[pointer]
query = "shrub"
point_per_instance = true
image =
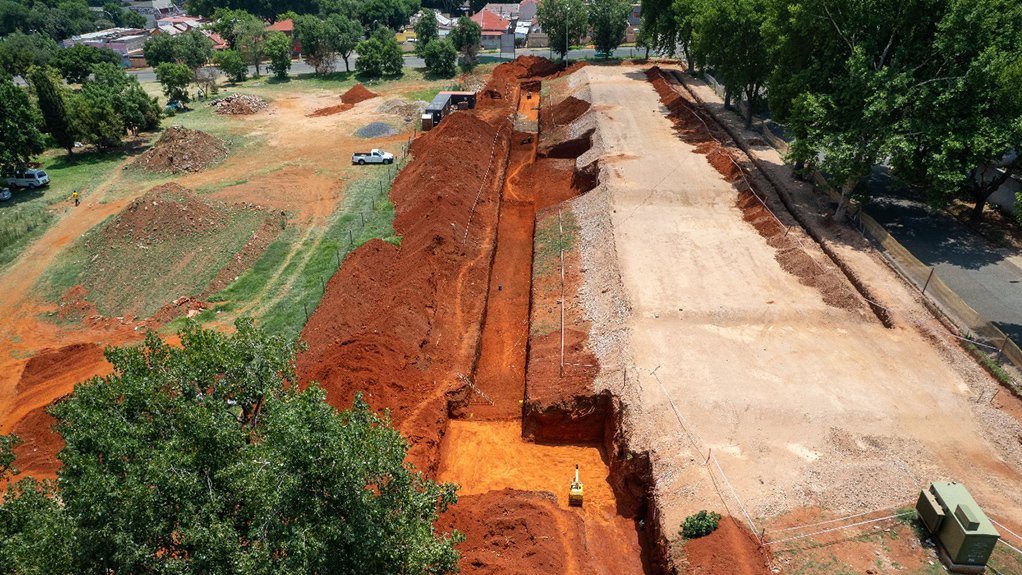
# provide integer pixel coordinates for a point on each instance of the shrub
(700, 524)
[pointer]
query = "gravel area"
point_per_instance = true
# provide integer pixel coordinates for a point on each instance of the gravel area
(376, 130)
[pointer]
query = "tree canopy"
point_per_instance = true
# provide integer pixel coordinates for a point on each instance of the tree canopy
(19, 141)
(209, 459)
(426, 30)
(609, 19)
(466, 37)
(440, 57)
(564, 21)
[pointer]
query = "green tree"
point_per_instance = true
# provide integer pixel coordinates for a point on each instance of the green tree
(278, 50)
(345, 34)
(440, 57)
(95, 116)
(138, 110)
(19, 52)
(193, 49)
(75, 63)
(175, 79)
(232, 64)
(316, 39)
(659, 25)
(963, 109)
(53, 96)
(837, 79)
(159, 49)
(370, 58)
(132, 19)
(729, 39)
(466, 37)
(209, 459)
(682, 30)
(19, 141)
(426, 30)
(564, 21)
(609, 19)
(243, 32)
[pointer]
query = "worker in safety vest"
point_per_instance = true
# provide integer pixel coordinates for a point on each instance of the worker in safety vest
(74, 196)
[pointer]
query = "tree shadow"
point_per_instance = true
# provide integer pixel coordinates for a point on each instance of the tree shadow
(932, 236)
(330, 77)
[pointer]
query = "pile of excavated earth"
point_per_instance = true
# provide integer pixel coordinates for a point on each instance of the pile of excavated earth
(182, 150)
(238, 105)
(358, 93)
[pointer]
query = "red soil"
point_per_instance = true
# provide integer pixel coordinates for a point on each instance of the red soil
(730, 550)
(44, 375)
(400, 324)
(527, 532)
(564, 112)
(357, 93)
(330, 110)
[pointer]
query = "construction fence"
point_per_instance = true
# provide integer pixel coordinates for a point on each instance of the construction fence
(978, 330)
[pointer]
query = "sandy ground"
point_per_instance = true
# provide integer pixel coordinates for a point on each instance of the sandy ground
(803, 404)
(301, 167)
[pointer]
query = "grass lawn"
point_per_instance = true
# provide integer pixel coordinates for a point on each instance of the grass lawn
(31, 212)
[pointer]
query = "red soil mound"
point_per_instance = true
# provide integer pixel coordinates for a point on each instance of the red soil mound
(730, 550)
(330, 110)
(37, 453)
(564, 112)
(512, 532)
(399, 324)
(356, 94)
(52, 363)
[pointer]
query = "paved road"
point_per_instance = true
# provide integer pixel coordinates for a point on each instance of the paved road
(299, 67)
(987, 277)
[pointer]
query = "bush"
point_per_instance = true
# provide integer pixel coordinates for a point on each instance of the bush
(700, 524)
(440, 57)
(232, 64)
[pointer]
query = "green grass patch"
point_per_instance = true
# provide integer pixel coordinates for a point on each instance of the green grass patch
(290, 276)
(31, 212)
(549, 241)
(134, 264)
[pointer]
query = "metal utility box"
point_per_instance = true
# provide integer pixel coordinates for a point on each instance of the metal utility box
(965, 534)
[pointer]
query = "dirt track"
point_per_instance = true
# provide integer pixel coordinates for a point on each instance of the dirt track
(803, 402)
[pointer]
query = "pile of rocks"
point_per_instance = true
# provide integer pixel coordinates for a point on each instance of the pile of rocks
(238, 105)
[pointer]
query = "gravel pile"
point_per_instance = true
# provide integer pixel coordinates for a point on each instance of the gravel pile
(402, 107)
(238, 105)
(376, 130)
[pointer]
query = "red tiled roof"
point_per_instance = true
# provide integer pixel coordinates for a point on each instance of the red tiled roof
(283, 26)
(490, 22)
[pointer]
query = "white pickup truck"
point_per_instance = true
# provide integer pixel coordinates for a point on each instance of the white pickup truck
(373, 157)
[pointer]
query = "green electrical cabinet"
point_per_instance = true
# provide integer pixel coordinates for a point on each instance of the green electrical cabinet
(965, 534)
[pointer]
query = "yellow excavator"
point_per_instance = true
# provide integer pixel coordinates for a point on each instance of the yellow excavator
(575, 491)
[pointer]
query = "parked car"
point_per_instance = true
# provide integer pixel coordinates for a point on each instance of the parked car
(173, 106)
(373, 157)
(30, 178)
(5, 194)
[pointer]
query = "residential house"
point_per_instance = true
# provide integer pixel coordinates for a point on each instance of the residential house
(493, 28)
(287, 27)
(121, 40)
(154, 10)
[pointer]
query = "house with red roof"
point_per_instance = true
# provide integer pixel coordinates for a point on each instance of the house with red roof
(494, 27)
(287, 27)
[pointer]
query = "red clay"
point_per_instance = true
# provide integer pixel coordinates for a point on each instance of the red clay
(357, 93)
(564, 112)
(330, 110)
(730, 550)
(401, 324)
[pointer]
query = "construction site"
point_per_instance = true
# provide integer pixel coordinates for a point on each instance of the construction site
(595, 268)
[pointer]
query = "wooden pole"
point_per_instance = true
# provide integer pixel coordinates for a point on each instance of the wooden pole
(925, 285)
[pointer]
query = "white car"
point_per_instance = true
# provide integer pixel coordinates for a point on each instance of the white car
(30, 178)
(374, 157)
(5, 194)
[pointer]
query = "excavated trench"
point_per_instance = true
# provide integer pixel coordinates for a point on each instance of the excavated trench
(513, 457)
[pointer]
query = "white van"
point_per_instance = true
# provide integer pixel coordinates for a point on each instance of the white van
(30, 178)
